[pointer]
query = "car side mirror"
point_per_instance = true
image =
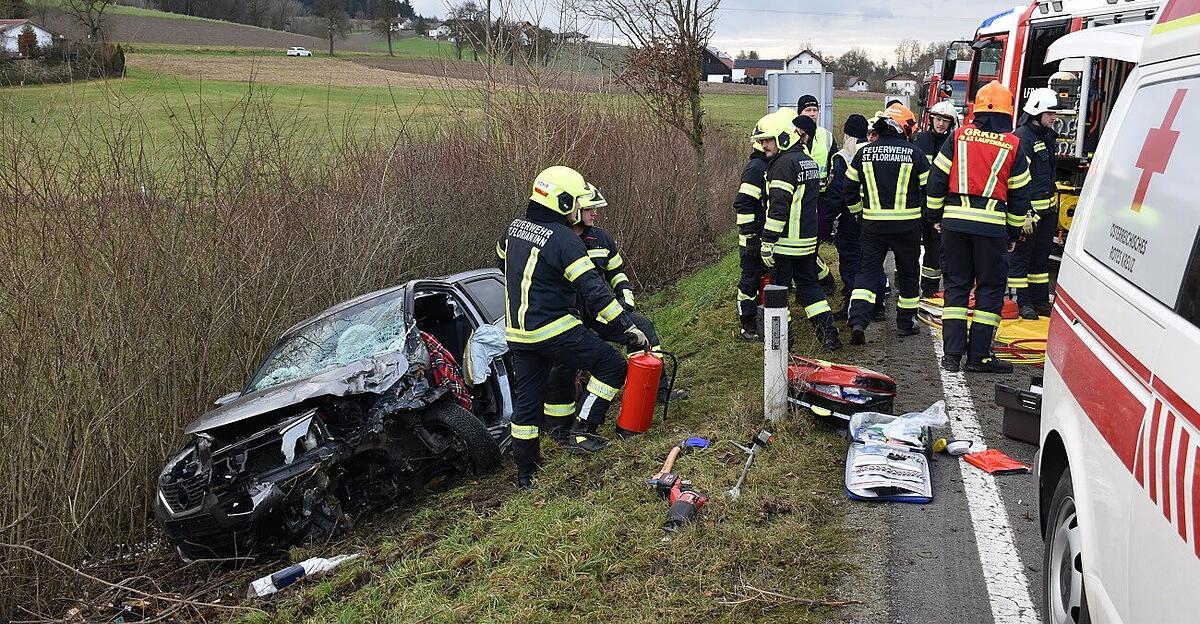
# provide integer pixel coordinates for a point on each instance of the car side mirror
(957, 51)
(947, 90)
(225, 400)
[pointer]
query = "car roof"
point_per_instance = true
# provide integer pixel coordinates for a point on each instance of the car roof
(473, 274)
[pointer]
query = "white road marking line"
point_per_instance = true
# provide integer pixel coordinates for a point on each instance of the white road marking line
(1007, 585)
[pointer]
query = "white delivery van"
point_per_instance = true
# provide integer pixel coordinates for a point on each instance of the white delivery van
(1117, 469)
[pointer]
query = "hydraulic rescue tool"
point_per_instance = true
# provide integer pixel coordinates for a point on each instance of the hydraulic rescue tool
(759, 442)
(685, 502)
(682, 447)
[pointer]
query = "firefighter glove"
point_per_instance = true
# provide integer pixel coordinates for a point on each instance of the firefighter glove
(636, 338)
(1030, 222)
(768, 254)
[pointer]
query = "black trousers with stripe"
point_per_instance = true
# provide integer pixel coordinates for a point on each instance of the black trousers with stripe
(931, 262)
(753, 270)
(1029, 263)
(906, 246)
(980, 262)
(577, 348)
(801, 271)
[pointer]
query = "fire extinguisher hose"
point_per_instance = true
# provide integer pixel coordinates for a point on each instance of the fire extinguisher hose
(670, 380)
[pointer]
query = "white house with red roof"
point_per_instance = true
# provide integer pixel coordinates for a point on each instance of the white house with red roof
(10, 29)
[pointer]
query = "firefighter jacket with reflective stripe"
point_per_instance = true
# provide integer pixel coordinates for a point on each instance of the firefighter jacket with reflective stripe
(979, 183)
(793, 183)
(602, 249)
(1039, 145)
(546, 267)
(840, 188)
(930, 143)
(751, 199)
(891, 173)
(821, 151)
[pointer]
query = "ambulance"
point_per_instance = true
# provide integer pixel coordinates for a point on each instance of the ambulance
(1119, 494)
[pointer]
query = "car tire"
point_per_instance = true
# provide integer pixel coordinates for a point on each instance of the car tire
(1064, 599)
(481, 449)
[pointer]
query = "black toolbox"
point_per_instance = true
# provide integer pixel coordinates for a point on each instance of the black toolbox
(1022, 411)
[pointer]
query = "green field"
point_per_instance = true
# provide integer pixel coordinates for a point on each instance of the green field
(740, 112)
(415, 47)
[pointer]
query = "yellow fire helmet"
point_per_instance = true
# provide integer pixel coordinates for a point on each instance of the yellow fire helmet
(560, 188)
(778, 126)
(753, 141)
(593, 200)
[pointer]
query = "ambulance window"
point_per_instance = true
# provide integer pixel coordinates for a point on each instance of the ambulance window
(1189, 294)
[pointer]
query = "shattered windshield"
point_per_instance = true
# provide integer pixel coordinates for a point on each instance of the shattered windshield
(352, 334)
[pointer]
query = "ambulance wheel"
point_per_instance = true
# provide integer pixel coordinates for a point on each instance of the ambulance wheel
(1063, 597)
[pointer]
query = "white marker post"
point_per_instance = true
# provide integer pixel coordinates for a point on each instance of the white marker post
(775, 352)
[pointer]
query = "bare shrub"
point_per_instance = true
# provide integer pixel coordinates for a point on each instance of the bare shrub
(132, 294)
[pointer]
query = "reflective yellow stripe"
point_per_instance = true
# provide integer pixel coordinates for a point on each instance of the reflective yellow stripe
(954, 314)
(923, 179)
(741, 296)
(743, 239)
(796, 246)
(935, 203)
(987, 318)
(774, 225)
(902, 182)
(931, 273)
(1018, 282)
(1042, 204)
(892, 215)
(906, 303)
(526, 280)
(822, 269)
(862, 294)
(962, 165)
(1014, 220)
(601, 389)
(1039, 278)
(558, 410)
(942, 162)
(524, 432)
(500, 252)
(743, 219)
(597, 253)
(780, 184)
(629, 298)
(545, 332)
(975, 214)
(817, 308)
(610, 312)
(617, 279)
(852, 174)
(856, 208)
(578, 268)
(994, 175)
(749, 189)
(1039, 146)
(872, 189)
(616, 262)
(1020, 181)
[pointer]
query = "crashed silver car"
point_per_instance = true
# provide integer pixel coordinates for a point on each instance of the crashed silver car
(344, 415)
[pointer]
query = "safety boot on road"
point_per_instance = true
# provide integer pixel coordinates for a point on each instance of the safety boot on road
(929, 287)
(880, 312)
(907, 327)
(1044, 309)
(1029, 313)
(951, 363)
(858, 335)
(989, 364)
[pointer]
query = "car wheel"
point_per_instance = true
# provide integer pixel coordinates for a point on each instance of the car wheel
(472, 442)
(1063, 595)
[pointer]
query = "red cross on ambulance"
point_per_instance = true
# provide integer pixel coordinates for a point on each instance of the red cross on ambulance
(1156, 151)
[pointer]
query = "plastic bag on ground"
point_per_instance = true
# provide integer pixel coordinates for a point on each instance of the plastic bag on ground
(906, 429)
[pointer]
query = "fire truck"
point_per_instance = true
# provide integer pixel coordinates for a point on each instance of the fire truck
(935, 90)
(1014, 47)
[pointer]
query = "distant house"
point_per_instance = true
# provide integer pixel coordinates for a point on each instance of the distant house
(441, 32)
(756, 70)
(716, 65)
(407, 24)
(854, 83)
(903, 83)
(806, 62)
(10, 29)
(573, 37)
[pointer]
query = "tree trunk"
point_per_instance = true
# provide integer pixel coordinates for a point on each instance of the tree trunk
(331, 39)
(697, 140)
(389, 35)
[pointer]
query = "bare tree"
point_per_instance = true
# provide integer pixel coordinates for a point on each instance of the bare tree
(664, 66)
(387, 15)
(89, 14)
(332, 14)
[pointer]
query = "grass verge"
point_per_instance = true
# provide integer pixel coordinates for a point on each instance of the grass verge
(586, 544)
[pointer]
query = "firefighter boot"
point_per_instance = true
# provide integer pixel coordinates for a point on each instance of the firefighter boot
(929, 287)
(880, 311)
(952, 362)
(826, 332)
(583, 439)
(527, 455)
(906, 325)
(1029, 313)
(1043, 309)
(858, 335)
(749, 329)
(990, 364)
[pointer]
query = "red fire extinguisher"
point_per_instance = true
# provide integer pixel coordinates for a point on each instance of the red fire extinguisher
(641, 392)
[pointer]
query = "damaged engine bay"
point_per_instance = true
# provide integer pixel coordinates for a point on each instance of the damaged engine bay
(340, 419)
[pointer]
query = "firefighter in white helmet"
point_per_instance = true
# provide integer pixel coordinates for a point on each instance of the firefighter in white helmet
(1028, 272)
(943, 119)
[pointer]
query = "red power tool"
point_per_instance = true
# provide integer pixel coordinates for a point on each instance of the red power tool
(685, 502)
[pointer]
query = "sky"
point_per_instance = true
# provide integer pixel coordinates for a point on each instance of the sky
(778, 29)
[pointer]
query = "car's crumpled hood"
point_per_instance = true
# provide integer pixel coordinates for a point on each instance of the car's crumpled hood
(371, 375)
